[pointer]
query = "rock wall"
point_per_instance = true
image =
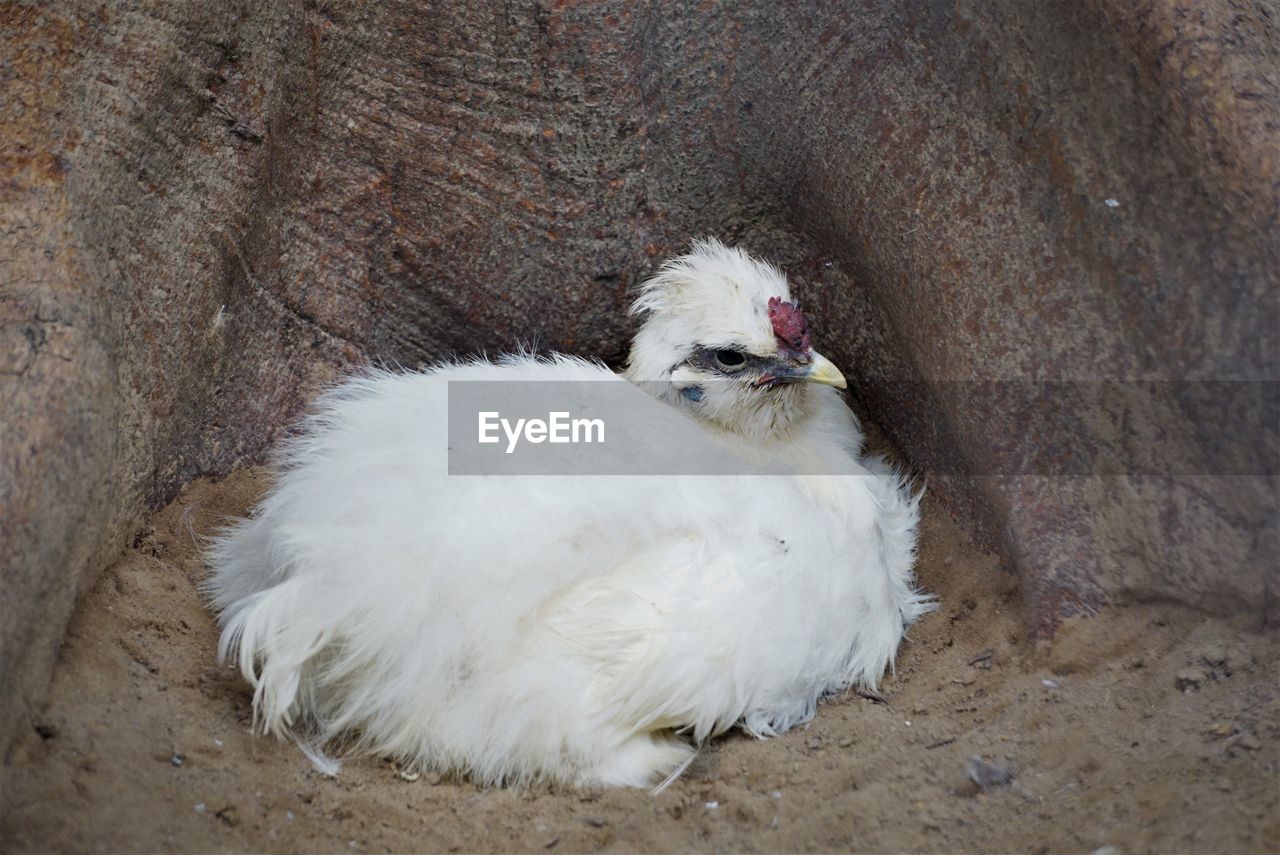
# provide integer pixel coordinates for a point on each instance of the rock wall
(209, 209)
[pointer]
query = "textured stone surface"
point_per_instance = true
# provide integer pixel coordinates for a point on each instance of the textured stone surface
(208, 209)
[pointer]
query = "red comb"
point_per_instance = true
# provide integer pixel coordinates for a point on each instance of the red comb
(789, 326)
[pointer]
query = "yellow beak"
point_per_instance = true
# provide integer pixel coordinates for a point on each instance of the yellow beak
(821, 370)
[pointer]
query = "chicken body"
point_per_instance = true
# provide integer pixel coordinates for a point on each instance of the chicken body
(587, 629)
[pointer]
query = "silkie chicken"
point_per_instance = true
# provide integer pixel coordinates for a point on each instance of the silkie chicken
(582, 629)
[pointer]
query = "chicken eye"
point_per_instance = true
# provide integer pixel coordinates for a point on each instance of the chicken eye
(729, 360)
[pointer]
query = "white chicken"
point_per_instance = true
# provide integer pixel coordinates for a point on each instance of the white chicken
(584, 629)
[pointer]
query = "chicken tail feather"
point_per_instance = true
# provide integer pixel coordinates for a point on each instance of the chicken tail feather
(265, 635)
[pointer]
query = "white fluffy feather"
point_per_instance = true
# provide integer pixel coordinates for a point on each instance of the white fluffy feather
(583, 629)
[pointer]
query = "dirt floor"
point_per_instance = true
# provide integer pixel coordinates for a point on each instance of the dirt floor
(1146, 729)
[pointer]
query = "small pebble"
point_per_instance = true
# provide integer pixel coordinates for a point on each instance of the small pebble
(1248, 740)
(200, 808)
(177, 759)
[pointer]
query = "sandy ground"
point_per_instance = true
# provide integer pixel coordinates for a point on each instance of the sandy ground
(1147, 729)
